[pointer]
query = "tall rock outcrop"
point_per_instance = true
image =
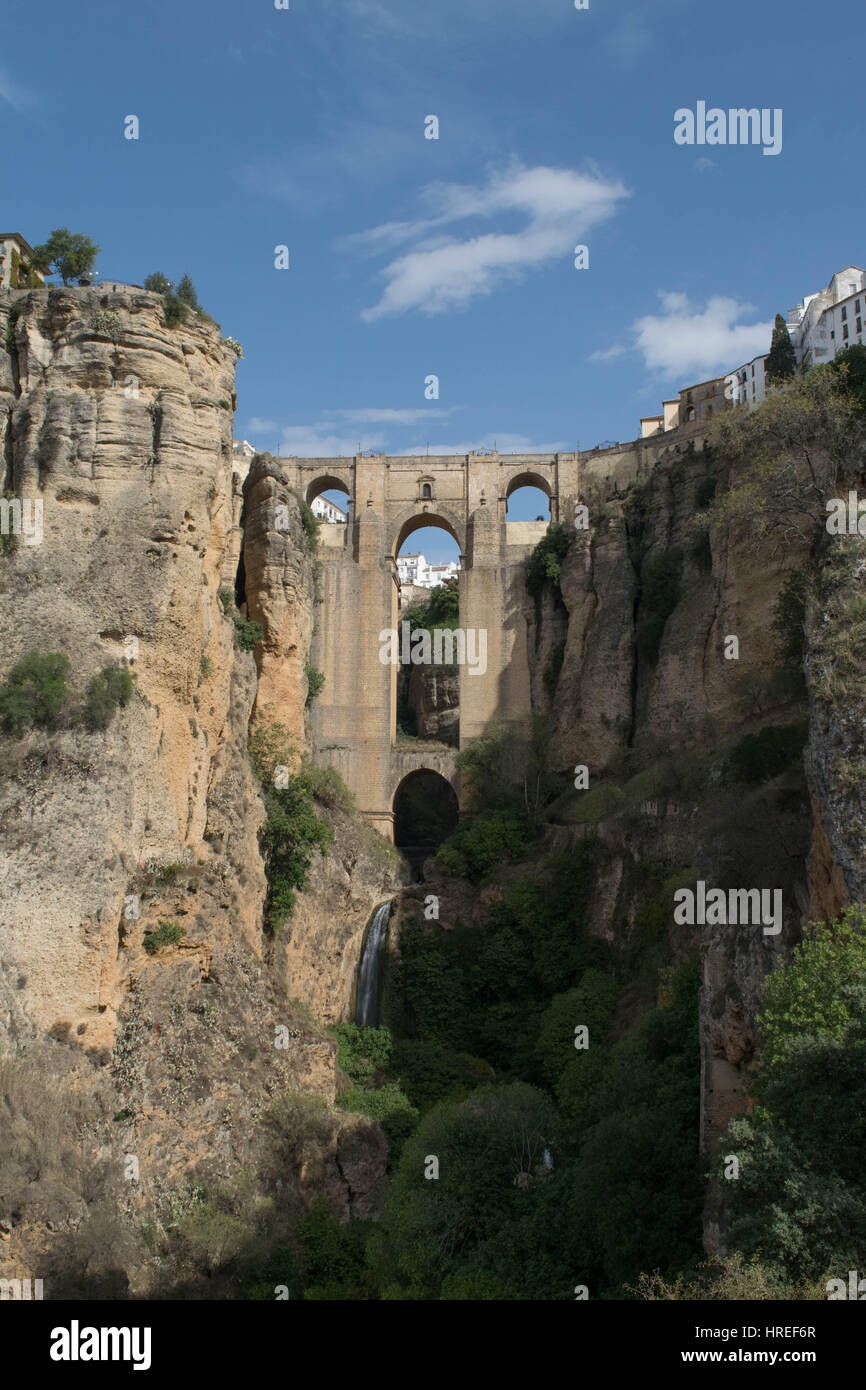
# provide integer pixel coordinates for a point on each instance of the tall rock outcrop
(120, 427)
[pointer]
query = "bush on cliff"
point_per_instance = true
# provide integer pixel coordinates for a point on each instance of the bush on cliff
(800, 1198)
(107, 692)
(293, 831)
(35, 692)
(481, 843)
(544, 565)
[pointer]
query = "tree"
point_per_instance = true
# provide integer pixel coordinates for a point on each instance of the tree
(490, 1147)
(781, 361)
(801, 1198)
(158, 283)
(70, 254)
(791, 454)
(850, 363)
(187, 292)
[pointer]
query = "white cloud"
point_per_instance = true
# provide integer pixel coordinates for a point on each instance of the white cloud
(321, 441)
(505, 443)
(441, 272)
(685, 340)
(14, 94)
(608, 354)
(629, 40)
(370, 415)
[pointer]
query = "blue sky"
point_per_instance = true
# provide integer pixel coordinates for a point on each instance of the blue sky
(410, 257)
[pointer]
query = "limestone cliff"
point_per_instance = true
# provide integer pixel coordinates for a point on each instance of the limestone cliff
(121, 428)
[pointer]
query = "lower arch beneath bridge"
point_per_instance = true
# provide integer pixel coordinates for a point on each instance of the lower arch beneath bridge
(426, 810)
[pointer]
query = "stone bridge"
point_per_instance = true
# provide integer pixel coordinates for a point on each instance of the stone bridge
(354, 718)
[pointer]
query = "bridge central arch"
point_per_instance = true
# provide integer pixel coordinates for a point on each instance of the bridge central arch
(418, 521)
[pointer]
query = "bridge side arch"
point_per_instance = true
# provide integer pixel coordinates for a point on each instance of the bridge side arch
(327, 482)
(522, 478)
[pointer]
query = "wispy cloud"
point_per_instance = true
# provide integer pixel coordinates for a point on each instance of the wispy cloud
(630, 39)
(442, 272)
(505, 443)
(323, 438)
(608, 354)
(370, 415)
(685, 339)
(320, 440)
(15, 94)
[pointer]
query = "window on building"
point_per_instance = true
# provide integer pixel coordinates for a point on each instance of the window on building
(859, 326)
(845, 330)
(844, 311)
(856, 306)
(426, 490)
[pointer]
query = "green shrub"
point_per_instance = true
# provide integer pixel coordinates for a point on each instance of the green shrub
(554, 666)
(248, 634)
(333, 1260)
(226, 596)
(660, 593)
(544, 566)
(186, 292)
(35, 692)
(290, 836)
(789, 619)
(166, 934)
(705, 492)
(327, 786)
(309, 520)
(758, 757)
(483, 841)
(361, 1052)
(315, 681)
(11, 320)
(158, 283)
(364, 1054)
(175, 310)
(388, 1105)
(105, 323)
(107, 692)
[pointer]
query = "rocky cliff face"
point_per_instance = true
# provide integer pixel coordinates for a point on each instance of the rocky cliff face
(650, 685)
(121, 428)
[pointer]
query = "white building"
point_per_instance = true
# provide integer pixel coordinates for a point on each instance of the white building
(822, 325)
(414, 569)
(327, 511)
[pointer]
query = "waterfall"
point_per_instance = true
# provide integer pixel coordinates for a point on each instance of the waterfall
(370, 969)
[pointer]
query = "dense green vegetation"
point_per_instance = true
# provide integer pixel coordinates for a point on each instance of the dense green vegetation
(659, 596)
(165, 933)
(178, 302)
(799, 1203)
(248, 634)
(68, 254)
(293, 831)
(441, 609)
(36, 695)
(544, 566)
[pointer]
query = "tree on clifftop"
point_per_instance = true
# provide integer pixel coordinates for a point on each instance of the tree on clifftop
(781, 362)
(68, 254)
